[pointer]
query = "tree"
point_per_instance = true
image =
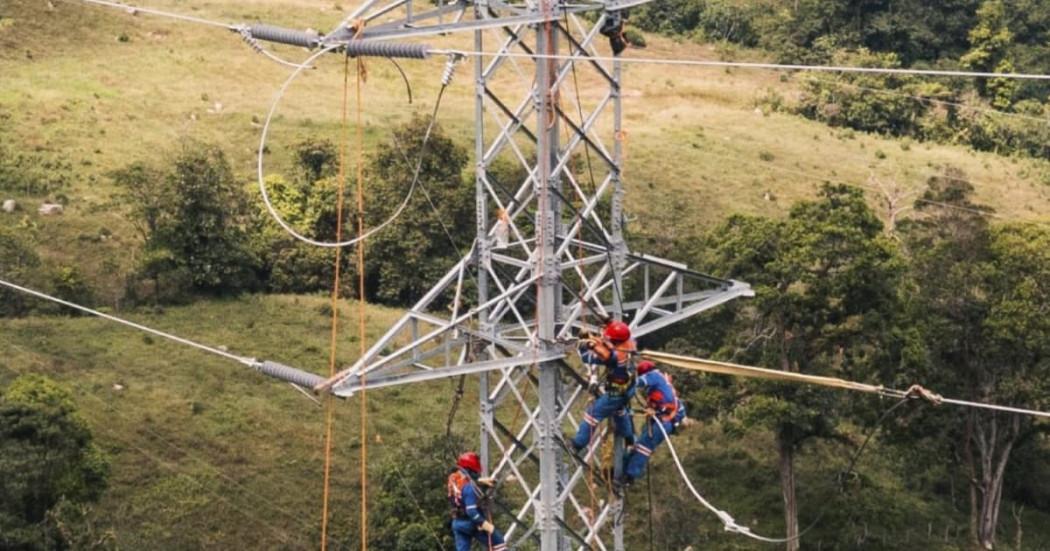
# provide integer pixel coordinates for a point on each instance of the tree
(823, 280)
(981, 297)
(19, 264)
(306, 199)
(192, 217)
(46, 458)
(406, 258)
(990, 41)
(412, 507)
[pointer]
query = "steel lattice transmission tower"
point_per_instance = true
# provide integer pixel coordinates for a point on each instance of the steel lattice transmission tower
(548, 260)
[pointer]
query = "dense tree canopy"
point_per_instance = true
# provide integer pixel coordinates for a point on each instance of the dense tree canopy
(46, 458)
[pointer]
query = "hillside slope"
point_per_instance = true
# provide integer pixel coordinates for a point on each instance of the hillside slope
(110, 89)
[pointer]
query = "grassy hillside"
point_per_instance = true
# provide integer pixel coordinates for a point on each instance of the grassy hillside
(110, 89)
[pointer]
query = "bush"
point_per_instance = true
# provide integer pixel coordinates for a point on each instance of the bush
(47, 457)
(405, 259)
(307, 201)
(68, 284)
(635, 38)
(194, 226)
(20, 265)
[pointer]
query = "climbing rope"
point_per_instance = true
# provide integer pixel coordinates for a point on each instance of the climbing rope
(727, 520)
(362, 336)
(333, 339)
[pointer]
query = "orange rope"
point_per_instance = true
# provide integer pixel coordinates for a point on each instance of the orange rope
(361, 305)
(329, 406)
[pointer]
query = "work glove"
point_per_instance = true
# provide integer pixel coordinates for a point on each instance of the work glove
(487, 527)
(593, 387)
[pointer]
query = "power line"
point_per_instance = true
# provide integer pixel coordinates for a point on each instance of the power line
(251, 362)
(935, 101)
(754, 65)
(637, 60)
(133, 10)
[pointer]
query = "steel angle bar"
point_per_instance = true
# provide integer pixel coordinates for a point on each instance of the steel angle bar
(352, 384)
(738, 290)
(335, 381)
(583, 53)
(648, 305)
(510, 261)
(591, 215)
(568, 530)
(596, 145)
(574, 262)
(499, 60)
(507, 460)
(479, 335)
(674, 299)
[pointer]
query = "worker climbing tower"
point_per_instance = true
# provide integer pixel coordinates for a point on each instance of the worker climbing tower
(549, 259)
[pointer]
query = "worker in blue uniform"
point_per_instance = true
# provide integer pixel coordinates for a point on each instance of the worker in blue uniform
(661, 406)
(613, 351)
(469, 519)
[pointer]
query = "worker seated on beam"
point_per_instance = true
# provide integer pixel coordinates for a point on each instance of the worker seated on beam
(470, 521)
(661, 406)
(614, 351)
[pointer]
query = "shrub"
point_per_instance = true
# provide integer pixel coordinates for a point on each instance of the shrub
(20, 265)
(635, 38)
(194, 226)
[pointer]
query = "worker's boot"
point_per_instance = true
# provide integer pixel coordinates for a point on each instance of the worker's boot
(620, 485)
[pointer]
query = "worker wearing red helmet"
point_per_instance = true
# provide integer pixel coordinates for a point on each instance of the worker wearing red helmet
(661, 406)
(469, 520)
(614, 351)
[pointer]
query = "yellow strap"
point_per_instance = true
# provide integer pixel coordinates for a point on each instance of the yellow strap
(724, 368)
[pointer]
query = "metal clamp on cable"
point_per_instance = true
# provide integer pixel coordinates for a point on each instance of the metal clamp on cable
(917, 391)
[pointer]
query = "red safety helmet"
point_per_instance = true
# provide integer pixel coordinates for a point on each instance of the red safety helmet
(469, 461)
(645, 366)
(617, 331)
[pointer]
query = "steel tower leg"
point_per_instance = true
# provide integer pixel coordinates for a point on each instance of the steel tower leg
(482, 247)
(548, 295)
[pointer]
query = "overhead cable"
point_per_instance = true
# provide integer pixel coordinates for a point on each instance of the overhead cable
(276, 370)
(737, 370)
(755, 65)
(133, 10)
(638, 60)
(251, 362)
(262, 148)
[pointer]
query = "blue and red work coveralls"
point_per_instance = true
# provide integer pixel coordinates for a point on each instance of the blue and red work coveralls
(660, 397)
(619, 387)
(465, 498)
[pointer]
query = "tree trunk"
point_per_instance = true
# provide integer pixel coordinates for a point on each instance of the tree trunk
(994, 445)
(786, 449)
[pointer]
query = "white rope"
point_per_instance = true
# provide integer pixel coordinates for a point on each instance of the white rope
(251, 362)
(727, 520)
(748, 65)
(135, 9)
(262, 181)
